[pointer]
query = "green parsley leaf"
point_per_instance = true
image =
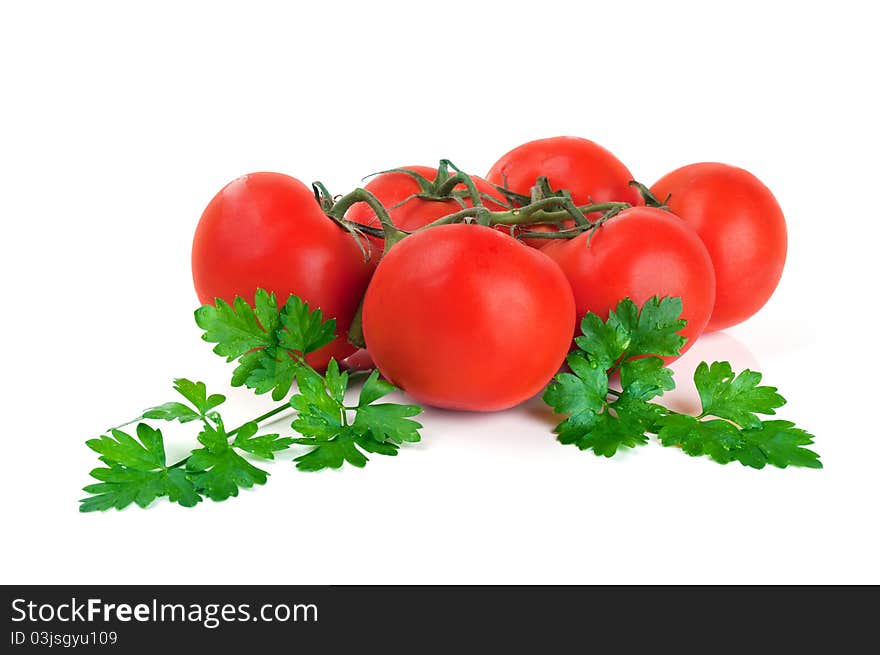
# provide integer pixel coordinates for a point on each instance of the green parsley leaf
(716, 438)
(335, 382)
(581, 393)
(330, 454)
(596, 424)
(145, 453)
(343, 448)
(652, 331)
(319, 414)
(637, 414)
(120, 487)
(235, 328)
(603, 342)
(645, 378)
(735, 398)
(267, 342)
(304, 329)
(655, 329)
(217, 470)
(172, 411)
(778, 443)
(374, 388)
(604, 420)
(270, 369)
(195, 393)
(323, 420)
(605, 434)
(263, 446)
(737, 434)
(135, 472)
(386, 421)
(629, 332)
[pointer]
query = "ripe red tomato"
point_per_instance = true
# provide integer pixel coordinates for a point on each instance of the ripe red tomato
(463, 317)
(743, 228)
(267, 230)
(641, 252)
(393, 188)
(586, 169)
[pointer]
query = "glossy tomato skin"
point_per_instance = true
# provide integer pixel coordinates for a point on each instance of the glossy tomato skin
(641, 252)
(585, 168)
(463, 317)
(393, 188)
(743, 228)
(266, 230)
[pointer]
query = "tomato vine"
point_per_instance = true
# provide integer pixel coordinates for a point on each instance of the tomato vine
(545, 206)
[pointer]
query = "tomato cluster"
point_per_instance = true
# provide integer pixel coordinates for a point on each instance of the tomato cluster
(467, 291)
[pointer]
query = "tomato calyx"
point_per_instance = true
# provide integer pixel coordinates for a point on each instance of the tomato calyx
(443, 187)
(650, 199)
(515, 199)
(336, 206)
(540, 190)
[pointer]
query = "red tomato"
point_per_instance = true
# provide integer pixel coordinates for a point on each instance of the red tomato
(267, 230)
(586, 169)
(743, 228)
(463, 317)
(641, 252)
(393, 188)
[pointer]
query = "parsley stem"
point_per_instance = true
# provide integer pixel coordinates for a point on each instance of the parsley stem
(262, 417)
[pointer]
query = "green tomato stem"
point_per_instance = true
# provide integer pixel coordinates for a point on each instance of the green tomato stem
(650, 199)
(389, 231)
(562, 234)
(542, 211)
(446, 188)
(552, 209)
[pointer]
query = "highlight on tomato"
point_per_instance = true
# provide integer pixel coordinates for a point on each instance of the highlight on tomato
(267, 230)
(743, 228)
(463, 317)
(639, 253)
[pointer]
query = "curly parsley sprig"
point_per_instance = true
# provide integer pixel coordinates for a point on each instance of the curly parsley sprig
(269, 344)
(632, 341)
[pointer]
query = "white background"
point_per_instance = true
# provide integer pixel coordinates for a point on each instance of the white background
(119, 124)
